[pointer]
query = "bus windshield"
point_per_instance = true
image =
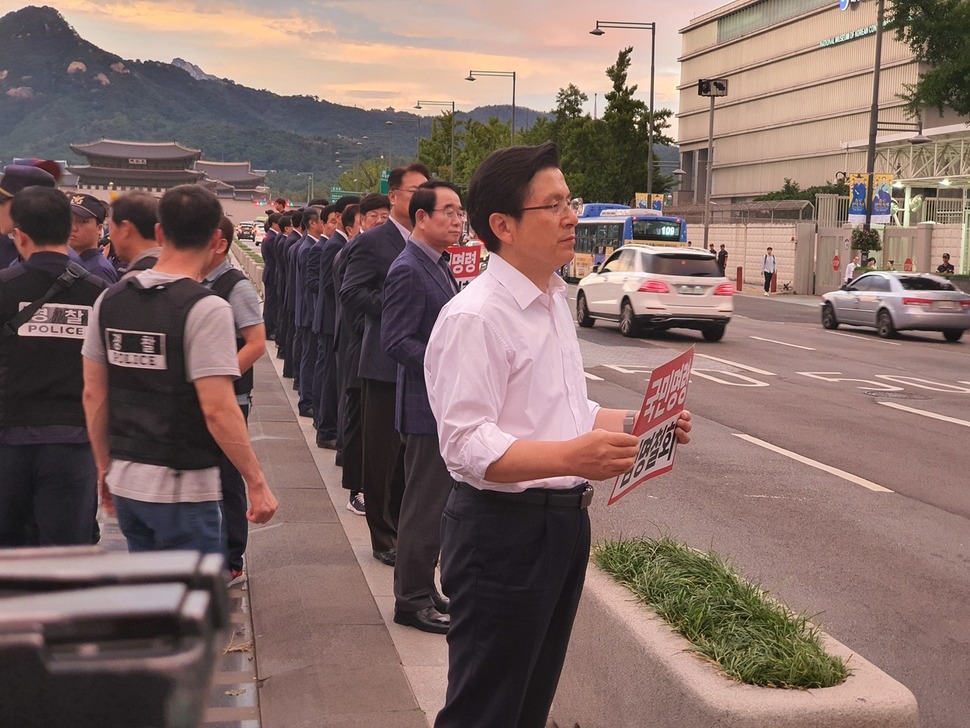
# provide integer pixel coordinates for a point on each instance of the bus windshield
(657, 229)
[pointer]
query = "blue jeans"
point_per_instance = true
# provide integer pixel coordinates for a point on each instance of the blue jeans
(170, 526)
(48, 495)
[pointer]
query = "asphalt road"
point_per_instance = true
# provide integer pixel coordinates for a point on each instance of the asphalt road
(821, 468)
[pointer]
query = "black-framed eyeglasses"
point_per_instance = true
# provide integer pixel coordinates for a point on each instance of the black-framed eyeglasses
(558, 208)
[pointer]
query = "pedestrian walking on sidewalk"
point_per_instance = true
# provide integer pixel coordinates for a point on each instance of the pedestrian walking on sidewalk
(769, 267)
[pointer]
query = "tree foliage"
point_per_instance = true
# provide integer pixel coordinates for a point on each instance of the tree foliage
(791, 190)
(938, 33)
(603, 159)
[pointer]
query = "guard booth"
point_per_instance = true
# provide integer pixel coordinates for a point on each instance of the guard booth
(112, 640)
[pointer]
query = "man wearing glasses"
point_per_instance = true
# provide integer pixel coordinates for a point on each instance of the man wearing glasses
(419, 283)
(506, 385)
(363, 290)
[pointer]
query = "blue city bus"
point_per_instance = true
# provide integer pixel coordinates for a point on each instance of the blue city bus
(598, 236)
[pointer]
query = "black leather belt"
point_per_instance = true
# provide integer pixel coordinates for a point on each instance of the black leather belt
(579, 496)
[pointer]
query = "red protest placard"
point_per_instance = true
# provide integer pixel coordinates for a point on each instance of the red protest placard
(466, 262)
(662, 404)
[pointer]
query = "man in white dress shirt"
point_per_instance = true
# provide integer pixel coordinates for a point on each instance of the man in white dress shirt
(519, 435)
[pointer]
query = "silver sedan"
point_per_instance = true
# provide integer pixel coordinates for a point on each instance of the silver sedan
(892, 301)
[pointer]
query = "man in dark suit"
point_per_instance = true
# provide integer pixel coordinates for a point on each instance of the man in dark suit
(324, 317)
(303, 343)
(363, 288)
(419, 283)
(288, 259)
(282, 330)
(268, 250)
(348, 331)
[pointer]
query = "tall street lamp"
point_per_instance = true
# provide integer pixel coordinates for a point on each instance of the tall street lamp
(875, 125)
(452, 105)
(417, 136)
(472, 76)
(652, 27)
(309, 185)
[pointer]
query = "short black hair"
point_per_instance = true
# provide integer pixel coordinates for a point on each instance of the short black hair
(189, 216)
(501, 183)
(138, 208)
(280, 201)
(374, 201)
(274, 217)
(43, 214)
(395, 178)
(327, 211)
(426, 196)
(228, 231)
(341, 204)
(297, 217)
(348, 216)
(284, 222)
(319, 202)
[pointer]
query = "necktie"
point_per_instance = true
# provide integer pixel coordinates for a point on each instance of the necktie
(446, 269)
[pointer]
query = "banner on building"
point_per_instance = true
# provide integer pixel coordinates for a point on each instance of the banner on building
(644, 201)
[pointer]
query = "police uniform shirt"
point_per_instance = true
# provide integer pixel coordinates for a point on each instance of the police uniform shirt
(210, 350)
(244, 302)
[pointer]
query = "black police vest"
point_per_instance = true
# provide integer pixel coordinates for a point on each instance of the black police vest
(222, 287)
(40, 367)
(154, 414)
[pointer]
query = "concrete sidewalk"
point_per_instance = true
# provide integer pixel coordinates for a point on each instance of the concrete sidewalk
(327, 651)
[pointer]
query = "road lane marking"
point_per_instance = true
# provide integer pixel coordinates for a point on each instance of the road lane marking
(783, 343)
(864, 338)
(924, 413)
(707, 374)
(593, 377)
(735, 364)
(815, 463)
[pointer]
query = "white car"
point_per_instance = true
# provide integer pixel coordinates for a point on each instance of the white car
(655, 287)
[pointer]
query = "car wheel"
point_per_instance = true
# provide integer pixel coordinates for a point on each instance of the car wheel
(952, 335)
(828, 317)
(884, 325)
(714, 332)
(582, 312)
(628, 322)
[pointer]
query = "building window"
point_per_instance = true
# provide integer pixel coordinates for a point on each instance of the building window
(763, 15)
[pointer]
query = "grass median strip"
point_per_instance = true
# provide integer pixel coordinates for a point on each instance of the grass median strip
(738, 626)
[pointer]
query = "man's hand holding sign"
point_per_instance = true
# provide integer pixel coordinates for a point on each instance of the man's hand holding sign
(661, 423)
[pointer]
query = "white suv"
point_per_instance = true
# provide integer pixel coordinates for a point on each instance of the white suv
(653, 287)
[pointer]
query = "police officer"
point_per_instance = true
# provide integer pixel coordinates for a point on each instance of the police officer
(159, 362)
(88, 214)
(49, 493)
(233, 286)
(15, 177)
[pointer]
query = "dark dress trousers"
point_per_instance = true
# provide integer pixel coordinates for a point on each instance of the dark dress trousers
(363, 288)
(326, 394)
(415, 291)
(270, 293)
(348, 331)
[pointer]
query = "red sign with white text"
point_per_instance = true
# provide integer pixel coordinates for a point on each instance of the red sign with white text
(466, 262)
(654, 427)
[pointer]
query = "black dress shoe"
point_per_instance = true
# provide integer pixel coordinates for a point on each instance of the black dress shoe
(428, 619)
(388, 557)
(441, 603)
(338, 459)
(306, 413)
(326, 444)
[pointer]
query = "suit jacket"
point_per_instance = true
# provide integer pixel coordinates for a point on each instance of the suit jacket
(303, 310)
(268, 250)
(283, 245)
(415, 291)
(325, 314)
(349, 326)
(292, 267)
(363, 288)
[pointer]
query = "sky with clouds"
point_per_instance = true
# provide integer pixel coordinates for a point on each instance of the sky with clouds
(380, 53)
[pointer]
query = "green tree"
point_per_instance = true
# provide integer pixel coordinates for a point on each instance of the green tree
(364, 177)
(791, 190)
(938, 33)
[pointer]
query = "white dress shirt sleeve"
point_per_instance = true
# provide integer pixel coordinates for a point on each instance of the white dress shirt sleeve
(467, 368)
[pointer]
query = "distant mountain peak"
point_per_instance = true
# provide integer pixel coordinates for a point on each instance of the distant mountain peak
(193, 70)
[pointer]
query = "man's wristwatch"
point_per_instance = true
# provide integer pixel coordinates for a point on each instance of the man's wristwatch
(629, 421)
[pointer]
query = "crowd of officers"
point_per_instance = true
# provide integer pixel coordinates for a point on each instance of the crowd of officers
(120, 371)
